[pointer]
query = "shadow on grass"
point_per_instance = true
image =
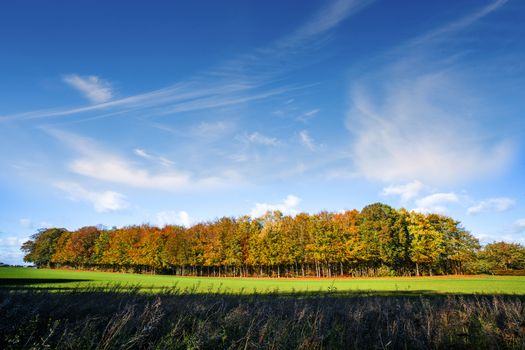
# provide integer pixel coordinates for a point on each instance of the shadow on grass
(114, 317)
(21, 282)
(69, 286)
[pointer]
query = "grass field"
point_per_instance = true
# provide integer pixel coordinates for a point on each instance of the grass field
(22, 278)
(368, 313)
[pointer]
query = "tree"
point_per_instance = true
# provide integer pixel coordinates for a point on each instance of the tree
(379, 240)
(380, 237)
(503, 256)
(148, 250)
(459, 246)
(426, 242)
(77, 248)
(42, 246)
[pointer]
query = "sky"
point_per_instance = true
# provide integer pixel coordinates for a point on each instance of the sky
(130, 112)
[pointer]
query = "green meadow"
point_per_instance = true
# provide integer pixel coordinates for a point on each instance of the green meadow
(23, 278)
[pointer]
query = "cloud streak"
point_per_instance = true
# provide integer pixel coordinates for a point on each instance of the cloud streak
(241, 80)
(459, 24)
(92, 87)
(159, 159)
(306, 140)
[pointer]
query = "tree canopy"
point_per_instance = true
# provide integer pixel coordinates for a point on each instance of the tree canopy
(377, 241)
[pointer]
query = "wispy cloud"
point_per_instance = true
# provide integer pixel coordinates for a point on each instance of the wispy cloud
(306, 140)
(406, 192)
(103, 165)
(417, 130)
(288, 207)
(106, 201)
(260, 139)
(306, 116)
(414, 119)
(212, 130)
(244, 79)
(142, 153)
(94, 89)
(159, 159)
(281, 55)
(326, 19)
(492, 205)
(436, 203)
(459, 24)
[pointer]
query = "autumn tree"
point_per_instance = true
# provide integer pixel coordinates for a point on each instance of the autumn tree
(503, 256)
(378, 240)
(427, 242)
(42, 246)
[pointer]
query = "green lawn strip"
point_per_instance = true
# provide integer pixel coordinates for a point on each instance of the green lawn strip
(68, 279)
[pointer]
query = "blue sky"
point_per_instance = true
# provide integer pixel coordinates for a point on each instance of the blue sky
(126, 113)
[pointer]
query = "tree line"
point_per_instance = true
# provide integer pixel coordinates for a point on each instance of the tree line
(376, 241)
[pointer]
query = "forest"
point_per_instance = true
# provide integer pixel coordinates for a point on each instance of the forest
(377, 241)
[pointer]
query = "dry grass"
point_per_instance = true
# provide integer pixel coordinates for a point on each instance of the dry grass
(116, 319)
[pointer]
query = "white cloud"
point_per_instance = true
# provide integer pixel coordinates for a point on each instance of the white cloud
(104, 166)
(102, 202)
(288, 207)
(142, 153)
(94, 89)
(436, 203)
(406, 192)
(491, 205)
(419, 119)
(306, 140)
(181, 218)
(257, 138)
(419, 129)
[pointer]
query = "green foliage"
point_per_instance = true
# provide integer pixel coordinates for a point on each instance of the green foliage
(499, 256)
(42, 246)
